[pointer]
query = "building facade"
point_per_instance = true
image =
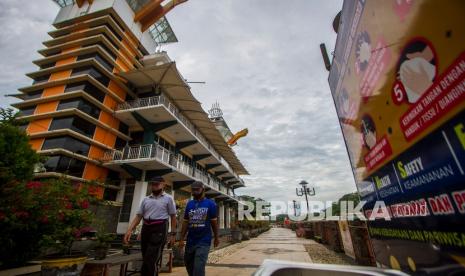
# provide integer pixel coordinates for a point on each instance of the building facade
(108, 109)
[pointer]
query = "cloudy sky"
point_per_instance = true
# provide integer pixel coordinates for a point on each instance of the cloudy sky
(260, 60)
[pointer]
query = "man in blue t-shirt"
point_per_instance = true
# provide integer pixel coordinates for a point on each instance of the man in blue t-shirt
(200, 219)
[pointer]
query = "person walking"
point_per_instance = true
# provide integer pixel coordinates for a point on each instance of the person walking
(200, 220)
(155, 210)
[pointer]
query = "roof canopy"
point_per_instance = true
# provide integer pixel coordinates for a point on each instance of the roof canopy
(160, 70)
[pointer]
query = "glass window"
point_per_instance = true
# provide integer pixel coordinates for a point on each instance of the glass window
(33, 95)
(76, 86)
(70, 103)
(75, 123)
(127, 202)
(111, 40)
(41, 79)
(88, 88)
(113, 31)
(110, 194)
(120, 143)
(95, 73)
(27, 111)
(123, 128)
(53, 52)
(23, 125)
(110, 52)
(81, 104)
(87, 107)
(65, 164)
(137, 138)
(99, 59)
(67, 143)
(47, 65)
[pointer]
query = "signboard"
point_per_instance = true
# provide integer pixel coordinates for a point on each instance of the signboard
(398, 81)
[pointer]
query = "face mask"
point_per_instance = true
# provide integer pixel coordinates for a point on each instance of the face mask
(156, 192)
(197, 194)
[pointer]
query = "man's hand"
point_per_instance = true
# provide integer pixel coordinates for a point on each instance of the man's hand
(172, 241)
(216, 242)
(127, 237)
(181, 243)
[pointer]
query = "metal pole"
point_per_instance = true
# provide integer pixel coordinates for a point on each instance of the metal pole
(295, 208)
(306, 198)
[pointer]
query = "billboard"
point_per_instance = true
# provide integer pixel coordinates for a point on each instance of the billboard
(398, 82)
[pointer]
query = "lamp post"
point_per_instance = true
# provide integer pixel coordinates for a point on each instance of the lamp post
(305, 191)
(295, 208)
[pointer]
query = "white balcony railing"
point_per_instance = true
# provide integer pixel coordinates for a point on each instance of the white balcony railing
(161, 154)
(162, 100)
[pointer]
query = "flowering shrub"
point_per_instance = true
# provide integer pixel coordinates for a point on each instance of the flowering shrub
(38, 215)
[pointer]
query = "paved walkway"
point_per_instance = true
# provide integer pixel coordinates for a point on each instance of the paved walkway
(278, 243)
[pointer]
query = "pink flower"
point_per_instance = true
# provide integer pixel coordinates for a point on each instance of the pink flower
(61, 216)
(33, 184)
(22, 214)
(85, 204)
(44, 219)
(76, 233)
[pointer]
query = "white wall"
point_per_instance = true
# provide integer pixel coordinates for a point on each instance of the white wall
(121, 7)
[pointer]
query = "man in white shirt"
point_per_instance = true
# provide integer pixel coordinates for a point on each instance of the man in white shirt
(155, 210)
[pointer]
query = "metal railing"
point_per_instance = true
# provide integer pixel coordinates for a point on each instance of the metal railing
(162, 100)
(163, 155)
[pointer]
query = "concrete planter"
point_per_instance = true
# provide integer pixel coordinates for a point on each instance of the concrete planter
(245, 234)
(63, 265)
(236, 235)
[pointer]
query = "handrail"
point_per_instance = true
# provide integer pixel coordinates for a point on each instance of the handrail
(156, 151)
(162, 100)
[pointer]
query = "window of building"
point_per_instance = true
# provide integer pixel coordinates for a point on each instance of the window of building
(110, 194)
(33, 95)
(27, 111)
(81, 104)
(127, 202)
(111, 40)
(115, 32)
(53, 52)
(120, 143)
(92, 71)
(123, 128)
(75, 123)
(41, 79)
(87, 87)
(137, 138)
(110, 52)
(47, 65)
(98, 58)
(64, 164)
(113, 178)
(67, 143)
(23, 125)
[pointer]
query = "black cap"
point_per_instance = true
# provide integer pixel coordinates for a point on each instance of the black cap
(156, 179)
(197, 184)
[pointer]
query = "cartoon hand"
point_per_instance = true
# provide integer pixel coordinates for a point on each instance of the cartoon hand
(418, 82)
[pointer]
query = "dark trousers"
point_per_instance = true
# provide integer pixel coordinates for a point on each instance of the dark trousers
(195, 259)
(153, 239)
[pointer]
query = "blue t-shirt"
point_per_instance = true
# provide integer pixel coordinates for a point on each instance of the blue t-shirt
(199, 215)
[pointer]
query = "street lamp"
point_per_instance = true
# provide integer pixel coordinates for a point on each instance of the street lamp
(305, 191)
(295, 208)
